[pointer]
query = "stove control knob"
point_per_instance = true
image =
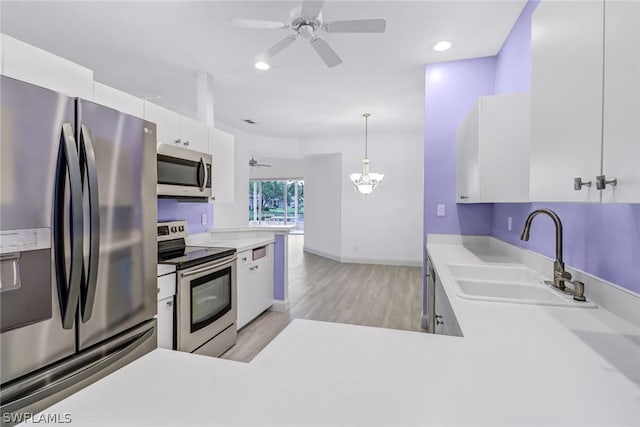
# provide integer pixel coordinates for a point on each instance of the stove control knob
(181, 228)
(174, 229)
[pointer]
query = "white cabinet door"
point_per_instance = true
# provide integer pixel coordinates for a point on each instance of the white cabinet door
(621, 132)
(566, 91)
(165, 323)
(167, 122)
(194, 135)
(467, 189)
(264, 288)
(30, 64)
(118, 100)
(493, 150)
(223, 179)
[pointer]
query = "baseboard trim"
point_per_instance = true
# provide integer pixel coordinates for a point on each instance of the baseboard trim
(321, 253)
(280, 306)
(396, 262)
(350, 260)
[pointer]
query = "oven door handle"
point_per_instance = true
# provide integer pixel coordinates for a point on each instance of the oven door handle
(225, 261)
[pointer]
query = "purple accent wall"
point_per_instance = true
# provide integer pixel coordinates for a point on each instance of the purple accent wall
(513, 63)
(601, 239)
(278, 267)
(171, 210)
(451, 89)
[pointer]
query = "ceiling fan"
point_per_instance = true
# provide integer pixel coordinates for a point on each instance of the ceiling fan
(254, 163)
(305, 21)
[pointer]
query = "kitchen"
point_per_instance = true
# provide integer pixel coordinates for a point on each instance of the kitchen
(472, 140)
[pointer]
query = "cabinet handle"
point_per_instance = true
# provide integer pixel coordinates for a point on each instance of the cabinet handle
(185, 143)
(602, 181)
(178, 141)
(463, 197)
(169, 303)
(244, 258)
(438, 316)
(439, 322)
(578, 183)
(257, 266)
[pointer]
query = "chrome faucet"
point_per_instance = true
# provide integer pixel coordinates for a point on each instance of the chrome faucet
(560, 275)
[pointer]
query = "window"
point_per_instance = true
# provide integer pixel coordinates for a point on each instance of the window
(277, 202)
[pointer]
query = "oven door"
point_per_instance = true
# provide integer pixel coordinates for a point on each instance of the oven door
(206, 302)
(183, 173)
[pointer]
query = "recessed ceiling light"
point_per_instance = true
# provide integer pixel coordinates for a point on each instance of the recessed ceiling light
(442, 45)
(261, 65)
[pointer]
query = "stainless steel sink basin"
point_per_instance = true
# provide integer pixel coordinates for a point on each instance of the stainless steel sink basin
(510, 284)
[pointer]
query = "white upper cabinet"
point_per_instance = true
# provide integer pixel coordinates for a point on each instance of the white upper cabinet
(176, 129)
(30, 64)
(566, 94)
(118, 100)
(586, 101)
(621, 132)
(167, 122)
(194, 134)
(493, 150)
(223, 179)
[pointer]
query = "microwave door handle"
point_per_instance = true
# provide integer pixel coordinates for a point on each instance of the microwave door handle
(205, 178)
(88, 158)
(68, 286)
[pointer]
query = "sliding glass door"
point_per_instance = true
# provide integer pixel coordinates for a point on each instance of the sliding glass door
(277, 202)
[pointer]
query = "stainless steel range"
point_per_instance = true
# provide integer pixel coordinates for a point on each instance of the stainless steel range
(206, 308)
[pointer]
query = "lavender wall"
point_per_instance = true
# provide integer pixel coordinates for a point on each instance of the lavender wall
(451, 89)
(278, 267)
(601, 239)
(171, 210)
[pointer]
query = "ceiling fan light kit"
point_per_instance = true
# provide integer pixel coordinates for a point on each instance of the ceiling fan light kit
(366, 182)
(305, 21)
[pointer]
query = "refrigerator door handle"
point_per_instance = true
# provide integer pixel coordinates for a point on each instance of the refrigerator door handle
(68, 286)
(90, 274)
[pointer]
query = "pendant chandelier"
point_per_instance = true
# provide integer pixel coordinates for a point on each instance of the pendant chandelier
(366, 181)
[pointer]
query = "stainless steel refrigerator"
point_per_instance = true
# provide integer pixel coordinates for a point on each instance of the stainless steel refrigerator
(77, 243)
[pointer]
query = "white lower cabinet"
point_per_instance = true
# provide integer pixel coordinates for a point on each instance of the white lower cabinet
(166, 308)
(255, 283)
(446, 322)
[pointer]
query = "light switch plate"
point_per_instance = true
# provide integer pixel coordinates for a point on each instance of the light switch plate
(203, 219)
(509, 223)
(440, 210)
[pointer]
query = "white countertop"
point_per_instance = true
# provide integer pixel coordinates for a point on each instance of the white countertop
(517, 365)
(208, 239)
(266, 227)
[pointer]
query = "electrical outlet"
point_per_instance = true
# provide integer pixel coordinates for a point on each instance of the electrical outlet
(203, 219)
(509, 223)
(440, 210)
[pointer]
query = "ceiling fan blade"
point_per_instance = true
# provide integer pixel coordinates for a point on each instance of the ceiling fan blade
(326, 52)
(311, 8)
(258, 23)
(356, 26)
(276, 48)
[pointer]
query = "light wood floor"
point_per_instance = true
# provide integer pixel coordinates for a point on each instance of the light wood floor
(323, 289)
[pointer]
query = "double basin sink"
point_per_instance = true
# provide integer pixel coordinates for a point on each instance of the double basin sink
(512, 284)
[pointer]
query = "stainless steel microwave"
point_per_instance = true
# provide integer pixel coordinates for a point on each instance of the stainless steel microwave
(183, 174)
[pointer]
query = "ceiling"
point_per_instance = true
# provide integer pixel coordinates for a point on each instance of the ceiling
(156, 49)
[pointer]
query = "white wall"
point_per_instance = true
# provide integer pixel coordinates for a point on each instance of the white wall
(386, 226)
(237, 213)
(281, 168)
(323, 205)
